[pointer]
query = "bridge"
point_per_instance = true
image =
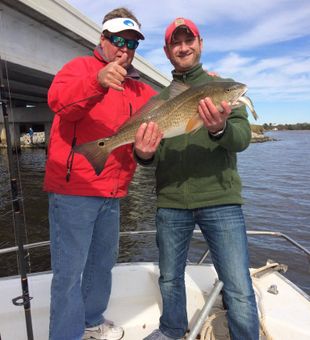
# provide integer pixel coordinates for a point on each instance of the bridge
(37, 38)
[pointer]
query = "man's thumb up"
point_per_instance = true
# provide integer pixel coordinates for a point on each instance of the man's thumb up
(114, 73)
(122, 60)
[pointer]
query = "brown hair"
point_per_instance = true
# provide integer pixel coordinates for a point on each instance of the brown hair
(121, 12)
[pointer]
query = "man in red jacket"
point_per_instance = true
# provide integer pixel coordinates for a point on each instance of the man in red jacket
(92, 97)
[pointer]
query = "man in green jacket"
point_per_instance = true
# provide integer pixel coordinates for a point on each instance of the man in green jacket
(197, 183)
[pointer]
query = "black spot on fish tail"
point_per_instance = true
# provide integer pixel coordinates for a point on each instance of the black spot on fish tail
(95, 152)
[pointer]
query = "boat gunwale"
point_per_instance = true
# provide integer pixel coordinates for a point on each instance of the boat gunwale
(293, 285)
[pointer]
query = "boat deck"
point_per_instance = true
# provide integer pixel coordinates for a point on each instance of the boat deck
(135, 302)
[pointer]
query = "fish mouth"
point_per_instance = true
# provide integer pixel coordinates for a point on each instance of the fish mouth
(237, 103)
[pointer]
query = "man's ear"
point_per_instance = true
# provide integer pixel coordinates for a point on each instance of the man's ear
(102, 37)
(166, 51)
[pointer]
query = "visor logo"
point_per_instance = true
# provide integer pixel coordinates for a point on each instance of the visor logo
(128, 23)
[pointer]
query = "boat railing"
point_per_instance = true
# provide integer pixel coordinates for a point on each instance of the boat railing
(266, 233)
(152, 232)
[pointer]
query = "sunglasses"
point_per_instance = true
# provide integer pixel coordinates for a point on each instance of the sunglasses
(120, 42)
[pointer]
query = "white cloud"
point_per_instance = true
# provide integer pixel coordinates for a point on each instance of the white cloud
(159, 59)
(285, 78)
(253, 41)
(299, 65)
(259, 21)
(280, 26)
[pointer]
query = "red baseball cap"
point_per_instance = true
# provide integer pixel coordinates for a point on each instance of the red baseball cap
(177, 23)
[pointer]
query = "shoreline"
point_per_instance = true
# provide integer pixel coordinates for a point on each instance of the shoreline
(260, 138)
(256, 138)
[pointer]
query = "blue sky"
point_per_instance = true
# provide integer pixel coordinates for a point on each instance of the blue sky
(262, 43)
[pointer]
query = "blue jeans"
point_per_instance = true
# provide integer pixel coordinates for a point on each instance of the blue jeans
(84, 233)
(224, 230)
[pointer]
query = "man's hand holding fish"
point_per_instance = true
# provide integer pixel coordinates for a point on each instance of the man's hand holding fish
(147, 140)
(214, 119)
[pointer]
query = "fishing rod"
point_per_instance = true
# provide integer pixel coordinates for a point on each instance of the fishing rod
(18, 222)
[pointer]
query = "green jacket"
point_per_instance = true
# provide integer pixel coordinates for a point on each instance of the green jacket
(197, 170)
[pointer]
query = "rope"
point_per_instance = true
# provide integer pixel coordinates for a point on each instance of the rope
(216, 325)
(216, 328)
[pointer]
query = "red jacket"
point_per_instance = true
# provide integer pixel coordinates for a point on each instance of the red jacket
(87, 111)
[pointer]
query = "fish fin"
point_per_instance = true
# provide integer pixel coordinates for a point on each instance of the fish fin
(193, 124)
(176, 87)
(95, 152)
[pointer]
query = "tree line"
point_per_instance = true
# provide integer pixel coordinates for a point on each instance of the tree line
(298, 126)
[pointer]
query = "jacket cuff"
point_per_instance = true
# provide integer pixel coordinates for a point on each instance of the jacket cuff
(218, 134)
(142, 161)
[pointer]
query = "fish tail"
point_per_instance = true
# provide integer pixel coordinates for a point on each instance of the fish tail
(254, 114)
(95, 152)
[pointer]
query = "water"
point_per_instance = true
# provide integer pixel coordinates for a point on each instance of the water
(276, 181)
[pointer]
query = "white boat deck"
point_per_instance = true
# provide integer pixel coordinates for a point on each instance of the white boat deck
(135, 302)
(286, 314)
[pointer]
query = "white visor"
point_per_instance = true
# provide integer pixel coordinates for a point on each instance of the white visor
(122, 24)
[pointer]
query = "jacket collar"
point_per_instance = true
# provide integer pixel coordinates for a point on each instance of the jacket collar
(131, 71)
(189, 75)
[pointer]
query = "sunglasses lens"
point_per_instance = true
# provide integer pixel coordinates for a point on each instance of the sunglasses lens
(132, 44)
(117, 41)
(120, 42)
